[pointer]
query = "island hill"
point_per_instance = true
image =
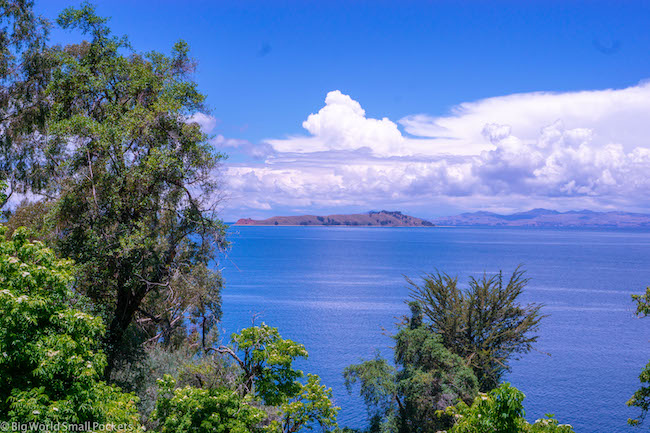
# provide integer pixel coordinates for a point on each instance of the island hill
(373, 218)
(531, 218)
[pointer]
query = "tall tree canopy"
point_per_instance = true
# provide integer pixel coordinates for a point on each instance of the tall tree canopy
(132, 184)
(485, 325)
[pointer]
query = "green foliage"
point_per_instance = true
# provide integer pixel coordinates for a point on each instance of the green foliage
(432, 378)
(377, 384)
(502, 411)
(265, 393)
(641, 397)
(642, 303)
(185, 366)
(266, 360)
(548, 425)
(312, 405)
(50, 359)
(485, 324)
(32, 216)
(428, 378)
(205, 410)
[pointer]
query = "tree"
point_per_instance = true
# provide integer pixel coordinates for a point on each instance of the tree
(641, 397)
(428, 378)
(485, 324)
(132, 187)
(266, 360)
(50, 359)
(267, 373)
(501, 410)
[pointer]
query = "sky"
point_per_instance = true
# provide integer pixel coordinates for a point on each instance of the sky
(428, 107)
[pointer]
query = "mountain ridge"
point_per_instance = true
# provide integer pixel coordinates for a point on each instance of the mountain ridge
(541, 217)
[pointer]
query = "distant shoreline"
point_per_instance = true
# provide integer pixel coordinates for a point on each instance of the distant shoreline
(535, 218)
(522, 227)
(338, 225)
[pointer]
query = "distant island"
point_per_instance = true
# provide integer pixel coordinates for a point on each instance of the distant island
(373, 218)
(531, 218)
(548, 218)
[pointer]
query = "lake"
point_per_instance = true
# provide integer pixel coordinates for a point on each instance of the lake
(340, 290)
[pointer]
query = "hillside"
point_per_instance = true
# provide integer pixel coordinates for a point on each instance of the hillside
(373, 218)
(548, 218)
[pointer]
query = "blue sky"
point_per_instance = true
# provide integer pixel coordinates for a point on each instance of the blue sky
(266, 66)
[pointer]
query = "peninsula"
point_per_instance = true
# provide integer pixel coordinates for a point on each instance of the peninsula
(373, 218)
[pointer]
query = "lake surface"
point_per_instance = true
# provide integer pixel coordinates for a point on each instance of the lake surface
(335, 289)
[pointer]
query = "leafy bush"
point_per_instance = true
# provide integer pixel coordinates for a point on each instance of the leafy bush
(50, 359)
(198, 410)
(312, 405)
(501, 410)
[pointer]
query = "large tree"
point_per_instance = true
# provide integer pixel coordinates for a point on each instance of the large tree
(486, 324)
(132, 185)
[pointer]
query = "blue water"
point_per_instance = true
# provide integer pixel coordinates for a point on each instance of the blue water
(338, 290)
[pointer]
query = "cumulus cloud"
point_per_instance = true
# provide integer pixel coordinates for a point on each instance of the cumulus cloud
(563, 162)
(342, 125)
(562, 150)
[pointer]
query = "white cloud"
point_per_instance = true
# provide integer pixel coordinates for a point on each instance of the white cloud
(205, 121)
(342, 125)
(560, 150)
(619, 116)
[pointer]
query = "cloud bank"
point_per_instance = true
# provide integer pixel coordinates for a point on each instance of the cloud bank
(559, 150)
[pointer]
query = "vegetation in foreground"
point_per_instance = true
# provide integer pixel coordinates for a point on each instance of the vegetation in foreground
(108, 300)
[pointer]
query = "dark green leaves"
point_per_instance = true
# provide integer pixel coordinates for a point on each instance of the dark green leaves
(427, 378)
(485, 324)
(137, 192)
